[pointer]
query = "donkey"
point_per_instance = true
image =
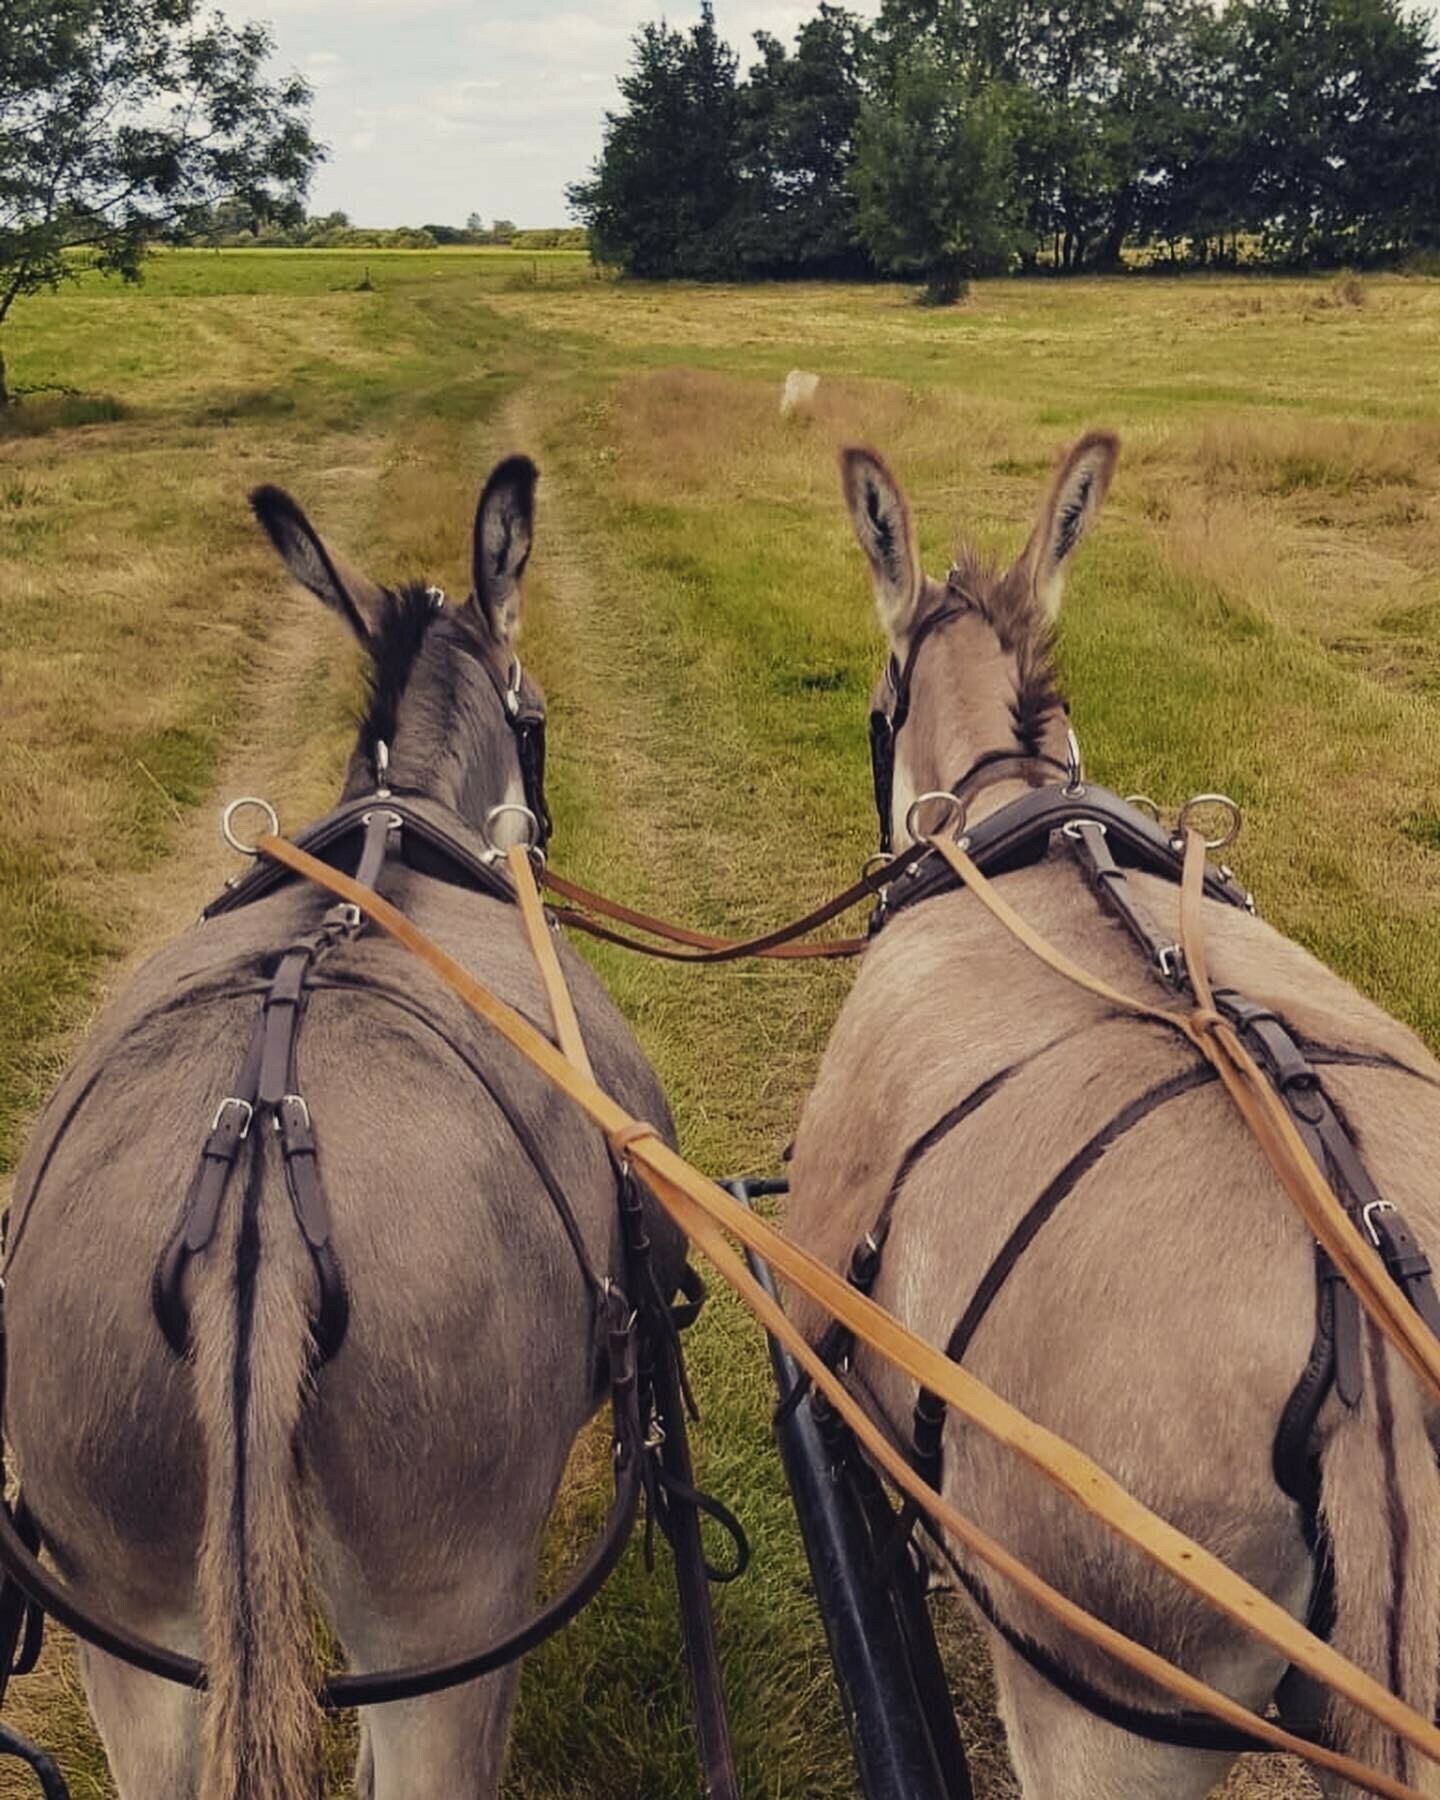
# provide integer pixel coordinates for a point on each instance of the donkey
(403, 1485)
(1162, 1316)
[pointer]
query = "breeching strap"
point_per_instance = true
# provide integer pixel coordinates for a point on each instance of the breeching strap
(705, 1211)
(1263, 1110)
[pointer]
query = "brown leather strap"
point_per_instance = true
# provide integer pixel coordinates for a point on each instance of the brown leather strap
(1274, 1130)
(705, 948)
(712, 1726)
(703, 1209)
(562, 1008)
(780, 943)
(728, 949)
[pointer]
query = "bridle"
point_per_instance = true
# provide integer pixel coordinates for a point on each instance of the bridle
(885, 729)
(525, 715)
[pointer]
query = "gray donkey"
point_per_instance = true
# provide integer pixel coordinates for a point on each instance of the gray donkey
(403, 1486)
(1163, 1315)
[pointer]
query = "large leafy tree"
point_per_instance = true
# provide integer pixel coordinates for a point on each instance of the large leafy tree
(664, 199)
(799, 111)
(124, 121)
(1336, 100)
(935, 169)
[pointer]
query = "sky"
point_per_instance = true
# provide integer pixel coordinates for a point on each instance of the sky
(435, 109)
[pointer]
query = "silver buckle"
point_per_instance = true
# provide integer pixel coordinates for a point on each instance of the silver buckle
(1369, 1222)
(234, 1100)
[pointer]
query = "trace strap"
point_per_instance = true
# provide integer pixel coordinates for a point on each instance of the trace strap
(703, 1209)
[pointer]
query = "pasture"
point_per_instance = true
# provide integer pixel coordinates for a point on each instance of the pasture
(1258, 612)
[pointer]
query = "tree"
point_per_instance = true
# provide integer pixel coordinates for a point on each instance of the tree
(665, 197)
(1337, 106)
(935, 171)
(798, 118)
(122, 121)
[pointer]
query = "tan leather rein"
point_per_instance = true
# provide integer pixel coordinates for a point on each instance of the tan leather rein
(706, 1212)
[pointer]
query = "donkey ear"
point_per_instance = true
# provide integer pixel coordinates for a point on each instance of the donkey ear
(882, 524)
(357, 599)
(504, 529)
(1073, 502)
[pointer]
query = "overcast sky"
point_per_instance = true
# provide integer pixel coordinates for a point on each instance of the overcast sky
(434, 109)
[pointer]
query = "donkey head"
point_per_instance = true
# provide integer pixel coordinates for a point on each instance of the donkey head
(971, 677)
(450, 714)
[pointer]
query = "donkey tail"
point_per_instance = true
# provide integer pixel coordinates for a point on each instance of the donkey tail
(251, 1338)
(1381, 1503)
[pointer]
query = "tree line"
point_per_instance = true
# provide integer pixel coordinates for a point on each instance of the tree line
(233, 225)
(960, 137)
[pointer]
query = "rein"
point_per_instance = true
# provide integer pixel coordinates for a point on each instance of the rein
(1008, 839)
(708, 1214)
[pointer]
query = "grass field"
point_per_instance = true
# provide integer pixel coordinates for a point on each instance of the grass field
(1259, 612)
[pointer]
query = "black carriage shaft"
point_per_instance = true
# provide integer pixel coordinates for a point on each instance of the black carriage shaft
(893, 1689)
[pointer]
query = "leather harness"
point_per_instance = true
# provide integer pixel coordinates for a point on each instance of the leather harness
(636, 1325)
(1107, 836)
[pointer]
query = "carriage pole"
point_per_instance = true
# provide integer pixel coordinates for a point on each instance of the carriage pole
(893, 1689)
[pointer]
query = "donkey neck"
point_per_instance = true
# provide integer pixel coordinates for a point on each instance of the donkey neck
(451, 738)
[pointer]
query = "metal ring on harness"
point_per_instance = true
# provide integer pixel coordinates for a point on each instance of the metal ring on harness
(1186, 819)
(956, 813)
(533, 842)
(227, 830)
(1143, 803)
(1074, 767)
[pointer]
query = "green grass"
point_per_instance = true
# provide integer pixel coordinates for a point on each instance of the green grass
(1258, 612)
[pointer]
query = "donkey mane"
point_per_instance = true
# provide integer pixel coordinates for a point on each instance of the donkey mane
(396, 640)
(1007, 607)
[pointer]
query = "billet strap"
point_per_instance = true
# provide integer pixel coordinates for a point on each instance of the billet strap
(1261, 1107)
(706, 1213)
(44, 1768)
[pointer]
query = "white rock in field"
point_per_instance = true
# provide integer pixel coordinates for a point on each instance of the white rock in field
(799, 394)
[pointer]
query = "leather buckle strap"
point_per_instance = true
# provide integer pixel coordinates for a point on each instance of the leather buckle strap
(217, 1158)
(312, 1214)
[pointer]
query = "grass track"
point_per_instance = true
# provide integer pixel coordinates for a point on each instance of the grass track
(1258, 612)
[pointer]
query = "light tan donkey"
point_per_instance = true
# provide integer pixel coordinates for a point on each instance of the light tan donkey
(1164, 1311)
